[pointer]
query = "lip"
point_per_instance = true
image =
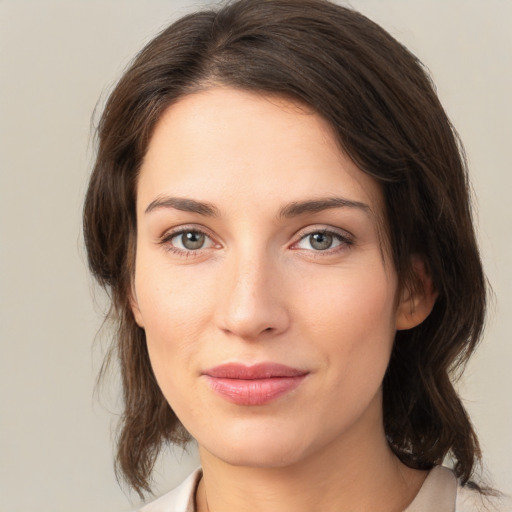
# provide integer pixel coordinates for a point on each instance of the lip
(258, 384)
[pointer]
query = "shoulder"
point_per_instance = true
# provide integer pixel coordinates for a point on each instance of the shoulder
(469, 500)
(442, 492)
(180, 499)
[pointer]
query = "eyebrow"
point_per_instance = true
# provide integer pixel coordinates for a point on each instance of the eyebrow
(318, 205)
(293, 209)
(185, 205)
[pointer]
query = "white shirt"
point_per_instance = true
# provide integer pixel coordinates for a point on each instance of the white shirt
(439, 493)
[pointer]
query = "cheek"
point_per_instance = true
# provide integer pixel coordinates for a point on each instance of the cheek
(175, 307)
(172, 299)
(352, 318)
(358, 299)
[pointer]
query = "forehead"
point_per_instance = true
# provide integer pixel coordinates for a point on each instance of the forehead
(227, 146)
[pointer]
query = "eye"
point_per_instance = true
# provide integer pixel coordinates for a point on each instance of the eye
(322, 240)
(187, 241)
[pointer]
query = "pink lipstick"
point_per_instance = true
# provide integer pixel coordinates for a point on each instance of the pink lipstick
(253, 385)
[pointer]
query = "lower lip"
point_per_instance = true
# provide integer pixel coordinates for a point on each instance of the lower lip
(253, 391)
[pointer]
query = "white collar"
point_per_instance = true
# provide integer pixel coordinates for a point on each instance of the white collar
(440, 493)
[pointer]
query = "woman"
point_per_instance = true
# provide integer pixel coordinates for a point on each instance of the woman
(280, 210)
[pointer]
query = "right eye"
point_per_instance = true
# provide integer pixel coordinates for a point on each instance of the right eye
(187, 241)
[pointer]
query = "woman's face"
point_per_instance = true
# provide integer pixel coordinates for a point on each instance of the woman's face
(261, 279)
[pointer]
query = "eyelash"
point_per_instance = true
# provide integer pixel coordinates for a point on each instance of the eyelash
(345, 241)
(165, 241)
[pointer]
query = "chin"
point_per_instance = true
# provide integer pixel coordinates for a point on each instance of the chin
(261, 447)
(259, 457)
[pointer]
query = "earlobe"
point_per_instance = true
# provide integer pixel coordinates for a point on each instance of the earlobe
(417, 299)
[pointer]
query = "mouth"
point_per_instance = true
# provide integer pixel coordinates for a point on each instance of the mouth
(253, 385)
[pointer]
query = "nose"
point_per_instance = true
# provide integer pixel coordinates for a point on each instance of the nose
(252, 302)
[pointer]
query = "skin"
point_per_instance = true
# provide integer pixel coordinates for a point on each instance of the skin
(259, 290)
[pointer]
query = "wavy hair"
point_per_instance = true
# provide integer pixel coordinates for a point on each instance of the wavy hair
(383, 108)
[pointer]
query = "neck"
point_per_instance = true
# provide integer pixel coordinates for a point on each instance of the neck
(354, 473)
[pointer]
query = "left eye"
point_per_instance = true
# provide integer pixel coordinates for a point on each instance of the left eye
(191, 240)
(320, 241)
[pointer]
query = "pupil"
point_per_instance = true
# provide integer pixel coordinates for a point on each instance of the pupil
(320, 241)
(192, 240)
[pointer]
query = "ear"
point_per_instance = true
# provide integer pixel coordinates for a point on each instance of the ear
(134, 304)
(417, 298)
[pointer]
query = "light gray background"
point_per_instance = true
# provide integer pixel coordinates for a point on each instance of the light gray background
(56, 60)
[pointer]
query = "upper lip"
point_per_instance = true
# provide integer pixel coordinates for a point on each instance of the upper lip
(253, 372)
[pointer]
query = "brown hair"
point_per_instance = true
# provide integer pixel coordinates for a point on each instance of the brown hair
(382, 106)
